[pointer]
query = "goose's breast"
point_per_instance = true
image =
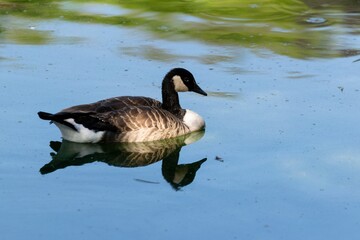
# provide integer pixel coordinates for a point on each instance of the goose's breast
(193, 121)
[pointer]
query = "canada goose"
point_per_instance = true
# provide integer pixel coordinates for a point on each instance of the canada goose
(132, 119)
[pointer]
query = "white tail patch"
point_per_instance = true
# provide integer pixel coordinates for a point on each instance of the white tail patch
(82, 135)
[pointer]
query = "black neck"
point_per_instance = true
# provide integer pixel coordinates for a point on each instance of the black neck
(170, 98)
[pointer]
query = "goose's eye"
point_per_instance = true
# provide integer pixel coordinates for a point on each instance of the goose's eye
(186, 80)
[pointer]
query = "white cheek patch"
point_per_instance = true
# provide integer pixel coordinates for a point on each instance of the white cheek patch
(179, 84)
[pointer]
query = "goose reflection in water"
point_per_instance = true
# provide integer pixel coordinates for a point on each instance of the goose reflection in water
(130, 155)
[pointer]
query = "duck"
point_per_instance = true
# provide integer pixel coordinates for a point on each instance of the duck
(132, 118)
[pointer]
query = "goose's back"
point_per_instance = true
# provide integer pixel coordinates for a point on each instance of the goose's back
(113, 104)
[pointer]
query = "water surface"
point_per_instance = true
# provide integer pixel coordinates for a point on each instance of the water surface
(281, 141)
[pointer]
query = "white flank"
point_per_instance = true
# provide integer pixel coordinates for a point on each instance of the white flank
(82, 135)
(144, 135)
(193, 120)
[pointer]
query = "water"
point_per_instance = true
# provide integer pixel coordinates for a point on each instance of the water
(281, 144)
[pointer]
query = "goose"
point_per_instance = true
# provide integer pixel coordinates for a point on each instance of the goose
(132, 118)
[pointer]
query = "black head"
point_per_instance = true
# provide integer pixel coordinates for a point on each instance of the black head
(184, 81)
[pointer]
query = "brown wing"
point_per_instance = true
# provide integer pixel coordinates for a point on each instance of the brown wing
(113, 104)
(138, 124)
(135, 118)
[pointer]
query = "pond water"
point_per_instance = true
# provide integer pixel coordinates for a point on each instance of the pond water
(280, 157)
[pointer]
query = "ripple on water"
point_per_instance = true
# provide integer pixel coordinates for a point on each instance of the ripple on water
(316, 20)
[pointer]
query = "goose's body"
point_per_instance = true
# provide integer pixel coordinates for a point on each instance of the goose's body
(132, 119)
